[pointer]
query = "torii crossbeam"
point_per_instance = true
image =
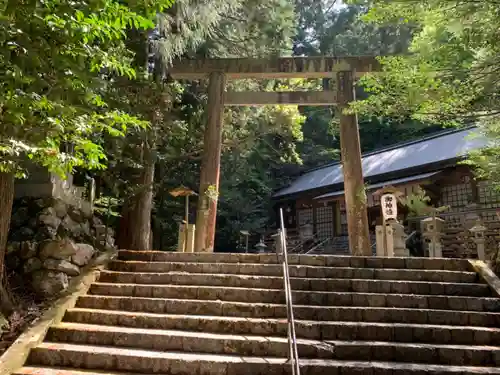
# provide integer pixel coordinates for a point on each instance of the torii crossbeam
(344, 69)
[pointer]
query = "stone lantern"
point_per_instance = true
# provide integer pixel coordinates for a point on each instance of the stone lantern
(261, 246)
(399, 240)
(306, 231)
(478, 232)
(432, 231)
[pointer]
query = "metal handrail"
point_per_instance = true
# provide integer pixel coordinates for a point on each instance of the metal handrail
(315, 239)
(410, 236)
(318, 245)
(292, 338)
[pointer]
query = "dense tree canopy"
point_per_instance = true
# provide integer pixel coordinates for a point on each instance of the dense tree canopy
(53, 57)
(57, 59)
(450, 75)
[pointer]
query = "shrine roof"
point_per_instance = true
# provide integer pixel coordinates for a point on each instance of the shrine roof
(396, 181)
(401, 159)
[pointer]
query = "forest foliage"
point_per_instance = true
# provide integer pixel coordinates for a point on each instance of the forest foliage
(57, 60)
(85, 85)
(450, 74)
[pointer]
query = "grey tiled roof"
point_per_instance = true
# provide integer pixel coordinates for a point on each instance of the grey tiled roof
(382, 184)
(434, 149)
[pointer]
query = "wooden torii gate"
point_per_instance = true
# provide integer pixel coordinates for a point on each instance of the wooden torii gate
(344, 70)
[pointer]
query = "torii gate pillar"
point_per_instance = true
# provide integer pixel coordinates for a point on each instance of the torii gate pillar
(350, 149)
(210, 166)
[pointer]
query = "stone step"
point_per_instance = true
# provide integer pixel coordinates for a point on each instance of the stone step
(453, 355)
(185, 341)
(250, 345)
(297, 271)
(311, 260)
(153, 362)
(315, 330)
(269, 310)
(27, 370)
(276, 282)
(299, 297)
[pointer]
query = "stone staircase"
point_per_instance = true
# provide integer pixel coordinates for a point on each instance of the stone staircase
(225, 314)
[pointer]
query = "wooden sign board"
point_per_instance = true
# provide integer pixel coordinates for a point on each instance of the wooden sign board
(389, 206)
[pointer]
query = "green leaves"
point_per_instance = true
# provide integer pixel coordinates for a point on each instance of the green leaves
(451, 75)
(58, 59)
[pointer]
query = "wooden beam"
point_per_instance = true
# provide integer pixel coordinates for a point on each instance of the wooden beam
(210, 166)
(285, 67)
(253, 98)
(355, 195)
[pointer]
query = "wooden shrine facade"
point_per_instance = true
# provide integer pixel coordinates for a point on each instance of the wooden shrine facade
(218, 71)
(431, 164)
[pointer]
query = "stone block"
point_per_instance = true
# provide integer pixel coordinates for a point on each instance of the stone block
(402, 333)
(414, 263)
(378, 315)
(358, 262)
(83, 254)
(374, 262)
(394, 263)
(28, 249)
(49, 218)
(339, 299)
(353, 351)
(457, 303)
(360, 299)
(61, 266)
(376, 332)
(398, 300)
(438, 302)
(313, 260)
(490, 304)
(360, 286)
(49, 283)
(362, 273)
(57, 249)
(31, 265)
(337, 261)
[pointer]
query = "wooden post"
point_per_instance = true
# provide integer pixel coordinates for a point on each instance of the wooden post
(355, 196)
(338, 225)
(186, 215)
(210, 166)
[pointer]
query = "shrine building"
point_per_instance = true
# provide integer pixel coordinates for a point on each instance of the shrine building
(315, 199)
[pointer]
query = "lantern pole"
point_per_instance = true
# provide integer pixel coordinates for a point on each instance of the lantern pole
(245, 233)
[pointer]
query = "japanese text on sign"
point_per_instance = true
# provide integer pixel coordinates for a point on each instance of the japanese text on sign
(389, 206)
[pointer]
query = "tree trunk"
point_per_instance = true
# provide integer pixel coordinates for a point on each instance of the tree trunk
(135, 223)
(140, 231)
(6, 200)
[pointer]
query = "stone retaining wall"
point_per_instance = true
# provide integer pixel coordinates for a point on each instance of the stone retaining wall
(50, 240)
